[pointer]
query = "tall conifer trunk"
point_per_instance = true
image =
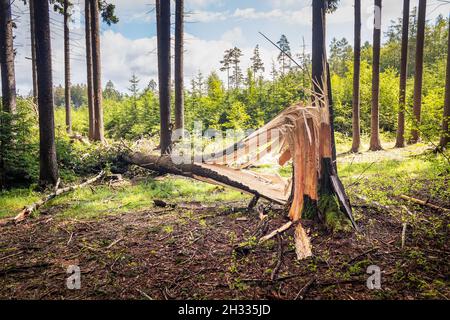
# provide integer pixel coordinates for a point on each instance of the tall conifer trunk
(48, 165)
(356, 80)
(375, 144)
(400, 140)
(418, 77)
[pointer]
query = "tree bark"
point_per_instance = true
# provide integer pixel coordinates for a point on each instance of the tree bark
(7, 58)
(318, 50)
(375, 144)
(329, 184)
(400, 141)
(97, 72)
(445, 138)
(319, 77)
(47, 150)
(8, 80)
(90, 90)
(33, 51)
(163, 26)
(67, 84)
(356, 80)
(419, 70)
(331, 108)
(179, 53)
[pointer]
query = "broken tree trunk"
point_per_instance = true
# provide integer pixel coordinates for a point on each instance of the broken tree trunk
(208, 173)
(299, 133)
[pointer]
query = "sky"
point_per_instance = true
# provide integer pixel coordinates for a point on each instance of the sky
(211, 27)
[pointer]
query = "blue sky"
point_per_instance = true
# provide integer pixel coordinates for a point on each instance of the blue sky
(212, 26)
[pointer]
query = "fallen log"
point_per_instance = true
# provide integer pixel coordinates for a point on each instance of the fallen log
(209, 173)
(33, 207)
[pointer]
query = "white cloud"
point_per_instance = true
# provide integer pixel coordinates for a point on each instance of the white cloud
(208, 16)
(235, 36)
(121, 56)
(252, 13)
(203, 3)
(285, 3)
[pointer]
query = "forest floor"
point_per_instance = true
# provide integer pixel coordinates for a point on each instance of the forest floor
(128, 248)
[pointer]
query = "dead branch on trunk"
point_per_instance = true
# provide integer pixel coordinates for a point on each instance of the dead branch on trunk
(33, 207)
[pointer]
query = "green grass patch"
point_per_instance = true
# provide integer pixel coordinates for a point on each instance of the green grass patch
(379, 176)
(103, 200)
(12, 201)
(382, 177)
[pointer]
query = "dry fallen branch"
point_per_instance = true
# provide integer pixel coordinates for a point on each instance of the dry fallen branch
(114, 243)
(33, 207)
(276, 232)
(424, 203)
(301, 294)
(404, 234)
(279, 263)
(361, 255)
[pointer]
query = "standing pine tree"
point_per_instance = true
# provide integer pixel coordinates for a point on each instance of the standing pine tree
(356, 80)
(284, 61)
(418, 77)
(226, 65)
(66, 13)
(48, 165)
(96, 72)
(7, 58)
(400, 139)
(179, 48)
(33, 50)
(8, 80)
(257, 63)
(235, 60)
(445, 138)
(163, 31)
(375, 144)
(93, 63)
(90, 83)
(257, 67)
(134, 89)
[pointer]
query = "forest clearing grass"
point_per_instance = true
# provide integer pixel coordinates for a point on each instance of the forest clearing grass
(97, 201)
(384, 175)
(377, 176)
(12, 201)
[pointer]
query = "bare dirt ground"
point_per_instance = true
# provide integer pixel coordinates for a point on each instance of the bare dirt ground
(189, 252)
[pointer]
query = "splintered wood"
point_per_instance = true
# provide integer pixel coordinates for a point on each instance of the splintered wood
(294, 135)
(299, 134)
